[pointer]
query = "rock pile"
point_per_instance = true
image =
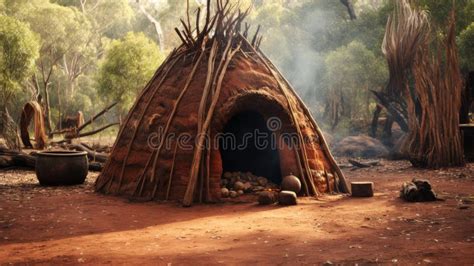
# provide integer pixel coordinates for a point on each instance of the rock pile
(235, 184)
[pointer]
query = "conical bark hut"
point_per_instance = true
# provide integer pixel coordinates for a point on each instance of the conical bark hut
(168, 147)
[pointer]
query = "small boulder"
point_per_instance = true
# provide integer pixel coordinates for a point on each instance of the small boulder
(287, 198)
(262, 181)
(224, 192)
(239, 186)
(233, 194)
(266, 198)
(258, 188)
(360, 146)
(240, 192)
(291, 183)
(247, 187)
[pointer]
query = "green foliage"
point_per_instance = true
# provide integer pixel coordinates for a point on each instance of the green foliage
(466, 47)
(352, 71)
(439, 12)
(18, 51)
(127, 67)
(86, 48)
(62, 30)
(110, 17)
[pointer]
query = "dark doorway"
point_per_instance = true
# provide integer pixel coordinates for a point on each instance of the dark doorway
(246, 146)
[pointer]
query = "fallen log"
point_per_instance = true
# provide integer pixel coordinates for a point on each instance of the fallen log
(96, 166)
(363, 164)
(91, 154)
(12, 159)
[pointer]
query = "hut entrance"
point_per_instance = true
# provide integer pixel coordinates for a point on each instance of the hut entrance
(246, 146)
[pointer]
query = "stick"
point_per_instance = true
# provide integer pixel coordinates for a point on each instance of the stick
(93, 155)
(96, 116)
(141, 118)
(101, 182)
(300, 167)
(327, 181)
(170, 119)
(295, 120)
(171, 172)
(324, 145)
(188, 197)
(97, 130)
(208, 171)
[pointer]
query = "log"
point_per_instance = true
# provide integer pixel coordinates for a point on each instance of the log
(11, 159)
(364, 164)
(91, 154)
(362, 189)
(96, 166)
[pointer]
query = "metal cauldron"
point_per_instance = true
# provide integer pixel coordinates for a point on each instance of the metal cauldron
(58, 168)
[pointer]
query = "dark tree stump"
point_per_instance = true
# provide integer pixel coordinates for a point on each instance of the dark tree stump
(362, 189)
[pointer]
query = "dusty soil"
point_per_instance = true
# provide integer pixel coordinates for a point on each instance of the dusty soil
(74, 225)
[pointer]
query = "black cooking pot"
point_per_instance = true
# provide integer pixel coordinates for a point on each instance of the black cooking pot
(57, 168)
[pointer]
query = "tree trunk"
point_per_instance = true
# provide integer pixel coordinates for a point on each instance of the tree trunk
(8, 130)
(47, 111)
(375, 122)
(387, 131)
(60, 118)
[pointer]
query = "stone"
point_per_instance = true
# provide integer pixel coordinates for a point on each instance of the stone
(258, 188)
(291, 183)
(233, 194)
(361, 146)
(287, 198)
(240, 192)
(266, 198)
(224, 192)
(262, 181)
(247, 187)
(238, 186)
(227, 175)
(362, 189)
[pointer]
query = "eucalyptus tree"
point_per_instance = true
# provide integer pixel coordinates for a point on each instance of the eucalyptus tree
(128, 65)
(18, 51)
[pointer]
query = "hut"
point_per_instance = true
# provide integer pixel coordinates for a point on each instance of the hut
(216, 86)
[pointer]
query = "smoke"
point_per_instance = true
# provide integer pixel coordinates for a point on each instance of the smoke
(299, 51)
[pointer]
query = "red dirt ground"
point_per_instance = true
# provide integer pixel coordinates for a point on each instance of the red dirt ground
(74, 225)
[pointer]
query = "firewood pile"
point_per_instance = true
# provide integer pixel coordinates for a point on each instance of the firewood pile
(235, 184)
